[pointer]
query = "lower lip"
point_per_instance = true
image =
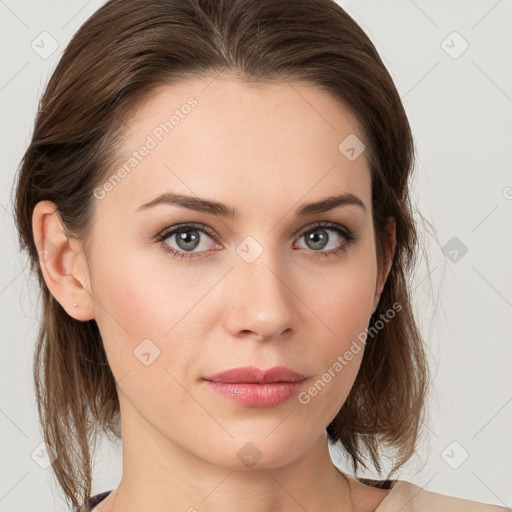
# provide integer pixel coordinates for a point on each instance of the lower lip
(257, 395)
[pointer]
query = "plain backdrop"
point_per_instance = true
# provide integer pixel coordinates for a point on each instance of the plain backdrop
(451, 62)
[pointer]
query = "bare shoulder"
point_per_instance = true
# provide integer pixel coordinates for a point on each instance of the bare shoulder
(410, 497)
(366, 498)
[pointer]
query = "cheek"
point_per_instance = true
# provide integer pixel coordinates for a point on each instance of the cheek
(126, 307)
(339, 343)
(345, 300)
(346, 315)
(342, 309)
(140, 296)
(146, 313)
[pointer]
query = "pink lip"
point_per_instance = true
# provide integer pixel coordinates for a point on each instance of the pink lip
(257, 388)
(253, 375)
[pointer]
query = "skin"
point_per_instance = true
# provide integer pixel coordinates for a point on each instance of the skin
(263, 149)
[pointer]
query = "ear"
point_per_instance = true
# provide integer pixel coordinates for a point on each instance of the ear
(390, 247)
(62, 262)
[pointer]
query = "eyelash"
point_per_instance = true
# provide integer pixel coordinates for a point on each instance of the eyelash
(347, 234)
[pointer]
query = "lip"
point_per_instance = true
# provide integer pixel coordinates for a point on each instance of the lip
(257, 388)
(252, 375)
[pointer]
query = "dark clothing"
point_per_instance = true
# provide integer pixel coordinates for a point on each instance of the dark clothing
(91, 502)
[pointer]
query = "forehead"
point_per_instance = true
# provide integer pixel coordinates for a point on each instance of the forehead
(267, 142)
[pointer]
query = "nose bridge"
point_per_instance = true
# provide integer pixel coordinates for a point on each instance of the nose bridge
(260, 298)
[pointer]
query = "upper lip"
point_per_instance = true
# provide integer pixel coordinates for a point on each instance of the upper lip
(250, 374)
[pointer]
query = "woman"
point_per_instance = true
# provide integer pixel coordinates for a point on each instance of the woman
(215, 201)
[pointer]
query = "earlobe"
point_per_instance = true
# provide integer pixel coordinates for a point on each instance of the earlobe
(61, 260)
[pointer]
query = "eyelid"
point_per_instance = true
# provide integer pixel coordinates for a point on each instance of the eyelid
(166, 232)
(325, 224)
(171, 230)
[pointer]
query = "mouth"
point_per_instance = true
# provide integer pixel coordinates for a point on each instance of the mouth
(253, 387)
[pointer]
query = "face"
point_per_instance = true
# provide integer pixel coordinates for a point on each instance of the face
(263, 287)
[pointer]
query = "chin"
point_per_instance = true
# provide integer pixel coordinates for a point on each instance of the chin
(259, 451)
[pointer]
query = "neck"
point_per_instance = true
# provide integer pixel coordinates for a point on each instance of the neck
(158, 474)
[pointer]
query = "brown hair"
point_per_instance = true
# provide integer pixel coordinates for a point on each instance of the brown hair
(118, 58)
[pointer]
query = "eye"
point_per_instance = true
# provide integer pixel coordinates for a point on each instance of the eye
(189, 237)
(317, 238)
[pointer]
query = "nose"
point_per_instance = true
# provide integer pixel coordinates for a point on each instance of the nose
(261, 302)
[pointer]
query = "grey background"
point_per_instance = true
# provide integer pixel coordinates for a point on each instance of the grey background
(460, 108)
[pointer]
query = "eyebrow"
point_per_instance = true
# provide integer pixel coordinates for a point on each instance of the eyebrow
(213, 207)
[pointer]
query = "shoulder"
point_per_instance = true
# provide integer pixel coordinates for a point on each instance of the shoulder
(409, 497)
